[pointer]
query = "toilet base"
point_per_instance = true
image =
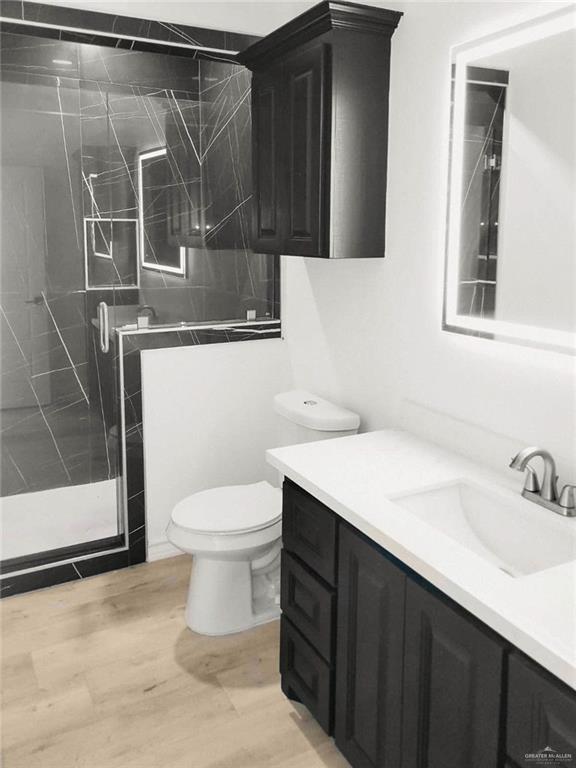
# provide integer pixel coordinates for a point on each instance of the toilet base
(226, 596)
(272, 615)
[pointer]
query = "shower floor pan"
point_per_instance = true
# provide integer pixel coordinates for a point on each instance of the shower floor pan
(57, 518)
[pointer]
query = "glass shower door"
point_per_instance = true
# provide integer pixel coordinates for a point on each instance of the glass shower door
(59, 434)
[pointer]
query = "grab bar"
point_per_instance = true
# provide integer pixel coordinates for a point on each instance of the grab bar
(104, 327)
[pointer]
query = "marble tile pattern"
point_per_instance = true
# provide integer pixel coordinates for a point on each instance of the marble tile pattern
(51, 427)
(88, 25)
(89, 128)
(80, 114)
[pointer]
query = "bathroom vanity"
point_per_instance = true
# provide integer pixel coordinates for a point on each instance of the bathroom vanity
(412, 649)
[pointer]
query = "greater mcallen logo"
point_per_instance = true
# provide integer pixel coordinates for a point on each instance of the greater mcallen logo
(548, 756)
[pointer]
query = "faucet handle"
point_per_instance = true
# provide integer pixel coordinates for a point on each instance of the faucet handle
(531, 482)
(568, 497)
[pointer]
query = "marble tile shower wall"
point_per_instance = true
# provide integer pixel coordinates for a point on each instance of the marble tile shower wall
(90, 26)
(51, 435)
(77, 116)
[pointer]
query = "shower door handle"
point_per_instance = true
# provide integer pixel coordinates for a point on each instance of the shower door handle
(104, 327)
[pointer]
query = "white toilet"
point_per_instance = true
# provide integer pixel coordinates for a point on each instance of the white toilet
(234, 531)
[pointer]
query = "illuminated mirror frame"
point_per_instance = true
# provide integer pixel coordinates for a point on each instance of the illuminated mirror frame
(180, 270)
(463, 56)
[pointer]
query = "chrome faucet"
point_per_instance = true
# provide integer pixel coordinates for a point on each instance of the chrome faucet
(545, 494)
(548, 490)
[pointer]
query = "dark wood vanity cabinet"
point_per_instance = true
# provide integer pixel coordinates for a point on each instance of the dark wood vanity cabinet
(452, 687)
(401, 675)
(309, 604)
(319, 132)
(309, 531)
(417, 684)
(306, 676)
(370, 641)
(308, 601)
(541, 713)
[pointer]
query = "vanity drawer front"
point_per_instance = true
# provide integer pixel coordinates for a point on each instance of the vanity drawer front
(541, 713)
(309, 531)
(306, 677)
(309, 605)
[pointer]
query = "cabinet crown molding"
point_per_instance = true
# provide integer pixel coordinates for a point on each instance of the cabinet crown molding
(322, 18)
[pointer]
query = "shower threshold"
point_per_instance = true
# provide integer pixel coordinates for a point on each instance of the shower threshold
(61, 523)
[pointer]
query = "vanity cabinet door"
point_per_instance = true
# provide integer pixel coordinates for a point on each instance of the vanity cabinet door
(369, 654)
(541, 713)
(452, 687)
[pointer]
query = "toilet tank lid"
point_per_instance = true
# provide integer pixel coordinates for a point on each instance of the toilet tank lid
(314, 412)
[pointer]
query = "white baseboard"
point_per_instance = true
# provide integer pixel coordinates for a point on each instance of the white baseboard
(161, 550)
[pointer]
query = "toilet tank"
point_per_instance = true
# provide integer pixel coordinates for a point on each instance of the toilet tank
(304, 417)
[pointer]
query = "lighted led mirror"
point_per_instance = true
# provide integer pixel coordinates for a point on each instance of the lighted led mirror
(156, 179)
(511, 241)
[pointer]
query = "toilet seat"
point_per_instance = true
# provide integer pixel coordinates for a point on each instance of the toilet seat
(230, 510)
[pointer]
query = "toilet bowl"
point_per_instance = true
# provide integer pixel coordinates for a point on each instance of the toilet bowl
(234, 532)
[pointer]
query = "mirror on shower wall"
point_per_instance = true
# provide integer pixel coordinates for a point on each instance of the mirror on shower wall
(511, 245)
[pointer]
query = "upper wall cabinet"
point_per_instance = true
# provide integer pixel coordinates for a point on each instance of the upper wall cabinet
(320, 132)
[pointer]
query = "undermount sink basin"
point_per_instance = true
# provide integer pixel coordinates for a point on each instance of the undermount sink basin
(514, 534)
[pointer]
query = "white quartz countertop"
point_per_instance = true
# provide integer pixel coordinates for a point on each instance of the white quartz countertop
(358, 478)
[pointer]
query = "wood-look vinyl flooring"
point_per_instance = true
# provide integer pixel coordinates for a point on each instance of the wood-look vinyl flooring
(103, 673)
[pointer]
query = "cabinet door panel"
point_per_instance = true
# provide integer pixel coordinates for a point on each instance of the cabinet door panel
(540, 714)
(309, 531)
(306, 125)
(309, 605)
(305, 675)
(452, 687)
(369, 654)
(267, 172)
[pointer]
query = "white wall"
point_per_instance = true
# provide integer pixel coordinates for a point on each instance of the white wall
(208, 420)
(369, 333)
